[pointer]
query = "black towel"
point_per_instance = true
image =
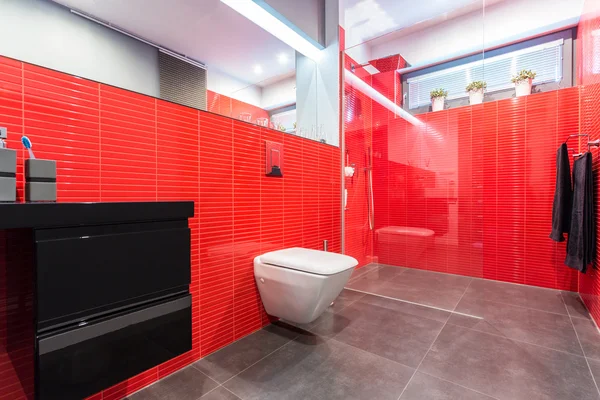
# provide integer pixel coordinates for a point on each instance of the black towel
(563, 194)
(581, 246)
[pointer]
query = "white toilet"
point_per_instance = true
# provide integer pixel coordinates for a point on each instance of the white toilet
(298, 284)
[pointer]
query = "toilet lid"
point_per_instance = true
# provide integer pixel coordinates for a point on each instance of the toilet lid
(307, 260)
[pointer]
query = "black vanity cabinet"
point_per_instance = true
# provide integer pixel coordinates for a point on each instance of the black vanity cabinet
(111, 290)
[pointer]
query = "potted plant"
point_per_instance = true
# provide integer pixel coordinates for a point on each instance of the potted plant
(438, 97)
(523, 82)
(476, 90)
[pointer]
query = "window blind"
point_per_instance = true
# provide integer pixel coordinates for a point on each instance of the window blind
(545, 59)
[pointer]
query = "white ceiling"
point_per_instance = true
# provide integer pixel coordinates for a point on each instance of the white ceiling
(433, 31)
(367, 19)
(205, 30)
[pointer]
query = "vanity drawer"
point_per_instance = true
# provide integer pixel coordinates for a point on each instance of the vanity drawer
(83, 272)
(76, 363)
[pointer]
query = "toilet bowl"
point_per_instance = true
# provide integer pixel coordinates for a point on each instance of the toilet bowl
(298, 284)
(403, 245)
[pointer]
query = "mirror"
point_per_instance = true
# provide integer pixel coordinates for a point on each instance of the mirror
(240, 70)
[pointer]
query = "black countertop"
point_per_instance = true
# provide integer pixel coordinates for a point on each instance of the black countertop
(41, 215)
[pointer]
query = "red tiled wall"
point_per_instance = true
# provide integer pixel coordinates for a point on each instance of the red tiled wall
(481, 177)
(115, 145)
(230, 107)
(589, 77)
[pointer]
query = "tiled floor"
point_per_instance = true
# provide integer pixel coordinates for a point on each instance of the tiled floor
(415, 335)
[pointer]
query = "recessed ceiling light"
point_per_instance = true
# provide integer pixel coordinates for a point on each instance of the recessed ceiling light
(283, 58)
(263, 15)
(258, 69)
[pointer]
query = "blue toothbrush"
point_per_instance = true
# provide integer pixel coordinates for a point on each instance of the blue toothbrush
(27, 143)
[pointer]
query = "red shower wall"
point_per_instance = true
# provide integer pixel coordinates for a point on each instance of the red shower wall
(482, 178)
(115, 145)
(589, 77)
(362, 128)
(358, 239)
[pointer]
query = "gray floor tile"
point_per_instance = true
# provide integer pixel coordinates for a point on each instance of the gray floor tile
(533, 326)
(517, 295)
(345, 298)
(595, 367)
(331, 323)
(506, 369)
(220, 393)
(397, 336)
(234, 358)
(426, 287)
(363, 270)
(312, 368)
(423, 386)
(588, 336)
(187, 384)
(575, 305)
(407, 308)
(370, 281)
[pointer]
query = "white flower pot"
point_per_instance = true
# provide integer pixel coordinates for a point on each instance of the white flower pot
(437, 103)
(476, 96)
(523, 88)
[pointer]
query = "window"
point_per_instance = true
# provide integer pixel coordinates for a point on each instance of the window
(545, 59)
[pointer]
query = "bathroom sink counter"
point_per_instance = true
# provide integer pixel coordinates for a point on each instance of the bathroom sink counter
(38, 215)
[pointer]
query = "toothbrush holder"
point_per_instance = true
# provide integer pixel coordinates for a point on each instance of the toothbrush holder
(8, 175)
(40, 180)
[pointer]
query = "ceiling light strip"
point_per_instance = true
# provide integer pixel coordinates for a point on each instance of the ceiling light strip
(131, 35)
(277, 25)
(365, 88)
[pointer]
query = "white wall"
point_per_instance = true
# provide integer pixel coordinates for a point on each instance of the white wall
(43, 33)
(220, 82)
(318, 84)
(279, 94)
(504, 22)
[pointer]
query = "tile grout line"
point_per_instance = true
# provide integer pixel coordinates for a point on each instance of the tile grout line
(517, 340)
(581, 346)
(357, 278)
(457, 384)
(224, 347)
(250, 366)
(526, 308)
(253, 364)
(210, 391)
(417, 304)
(480, 318)
(341, 309)
(231, 392)
(365, 272)
(159, 380)
(433, 342)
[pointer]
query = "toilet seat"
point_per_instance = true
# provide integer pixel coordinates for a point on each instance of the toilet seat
(308, 260)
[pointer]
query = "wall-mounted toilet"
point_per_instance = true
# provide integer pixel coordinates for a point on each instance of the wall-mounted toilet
(298, 284)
